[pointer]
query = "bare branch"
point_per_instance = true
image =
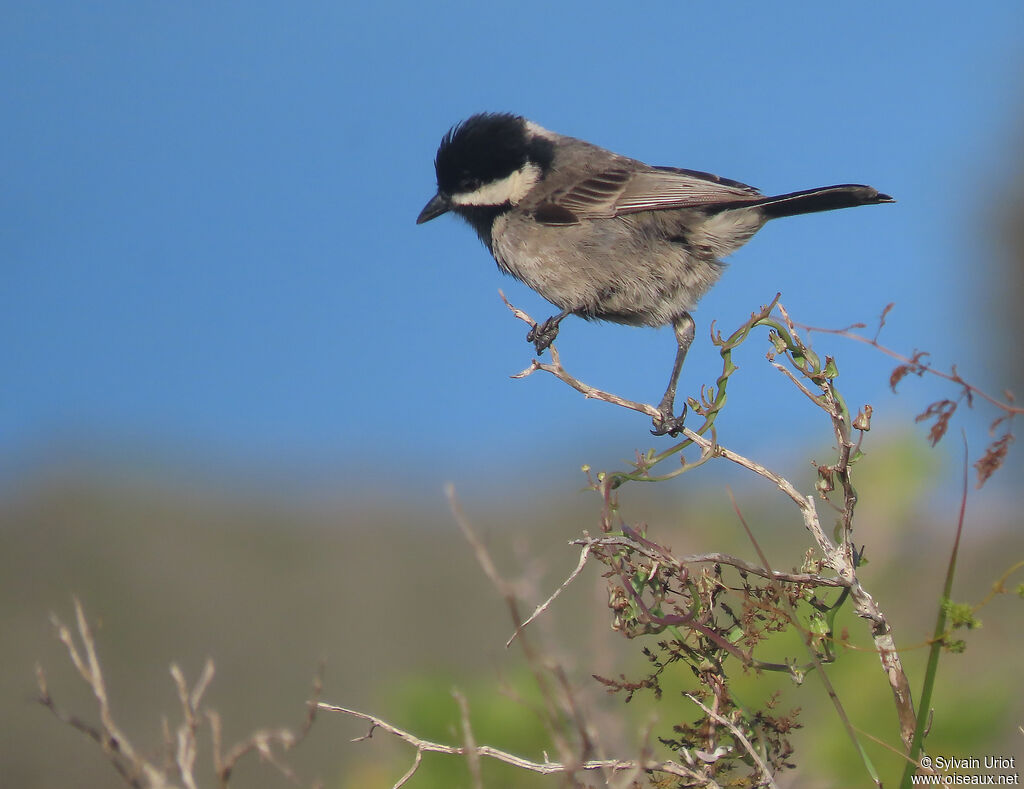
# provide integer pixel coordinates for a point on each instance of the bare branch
(544, 768)
(181, 746)
(556, 369)
(468, 741)
(547, 603)
(263, 741)
(411, 771)
(135, 769)
(553, 720)
(185, 753)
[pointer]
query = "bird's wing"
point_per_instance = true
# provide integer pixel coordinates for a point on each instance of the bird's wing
(619, 190)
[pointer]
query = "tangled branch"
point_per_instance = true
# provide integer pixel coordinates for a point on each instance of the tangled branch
(814, 379)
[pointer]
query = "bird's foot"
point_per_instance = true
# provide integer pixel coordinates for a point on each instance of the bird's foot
(666, 423)
(543, 334)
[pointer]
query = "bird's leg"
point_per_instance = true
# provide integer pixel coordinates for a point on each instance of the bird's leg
(543, 334)
(667, 423)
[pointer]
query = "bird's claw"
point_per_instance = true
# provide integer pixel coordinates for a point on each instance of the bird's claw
(543, 334)
(667, 424)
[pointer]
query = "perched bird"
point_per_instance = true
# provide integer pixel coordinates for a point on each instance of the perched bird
(603, 236)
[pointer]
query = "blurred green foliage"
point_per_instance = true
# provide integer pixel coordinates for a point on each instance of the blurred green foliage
(392, 597)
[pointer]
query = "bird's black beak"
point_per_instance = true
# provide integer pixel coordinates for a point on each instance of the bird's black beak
(438, 205)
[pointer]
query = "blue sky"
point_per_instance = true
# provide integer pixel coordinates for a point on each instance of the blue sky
(207, 217)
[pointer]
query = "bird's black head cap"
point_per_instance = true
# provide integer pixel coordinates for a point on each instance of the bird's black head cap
(485, 148)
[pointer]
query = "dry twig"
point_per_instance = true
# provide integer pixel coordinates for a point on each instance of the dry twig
(182, 746)
(545, 768)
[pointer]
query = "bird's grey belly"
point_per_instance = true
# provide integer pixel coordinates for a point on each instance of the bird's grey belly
(630, 269)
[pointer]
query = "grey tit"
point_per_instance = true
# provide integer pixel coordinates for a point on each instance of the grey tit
(603, 236)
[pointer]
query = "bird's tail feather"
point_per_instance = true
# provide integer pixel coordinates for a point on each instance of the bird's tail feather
(825, 198)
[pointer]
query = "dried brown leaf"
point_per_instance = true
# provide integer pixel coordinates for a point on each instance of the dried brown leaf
(915, 366)
(941, 411)
(993, 458)
(881, 318)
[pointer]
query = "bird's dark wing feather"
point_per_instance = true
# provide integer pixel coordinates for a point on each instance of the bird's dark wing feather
(625, 190)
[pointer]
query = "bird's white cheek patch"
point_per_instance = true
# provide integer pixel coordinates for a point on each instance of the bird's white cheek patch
(510, 189)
